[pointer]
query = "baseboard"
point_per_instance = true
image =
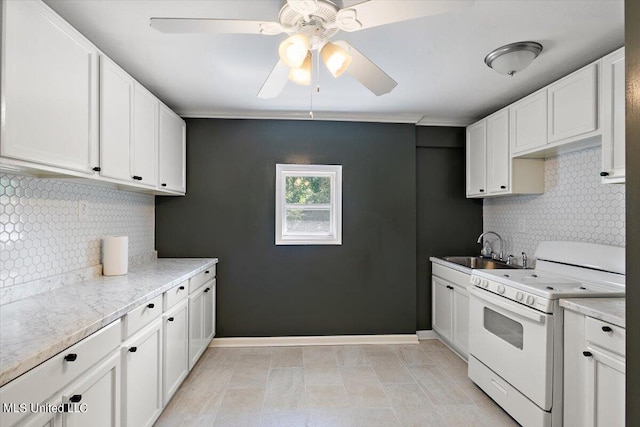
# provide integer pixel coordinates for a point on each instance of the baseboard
(314, 340)
(427, 334)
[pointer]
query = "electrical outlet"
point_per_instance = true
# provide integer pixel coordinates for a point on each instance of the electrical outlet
(83, 210)
(522, 225)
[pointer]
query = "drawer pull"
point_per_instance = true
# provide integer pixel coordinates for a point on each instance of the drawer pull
(604, 173)
(181, 288)
(71, 357)
(207, 290)
(151, 305)
(164, 184)
(607, 329)
(587, 354)
(503, 187)
(170, 319)
(75, 398)
(97, 169)
(449, 287)
(133, 349)
(206, 272)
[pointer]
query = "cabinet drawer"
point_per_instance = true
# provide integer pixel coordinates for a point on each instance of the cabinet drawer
(39, 384)
(605, 335)
(175, 295)
(201, 278)
(142, 316)
(454, 276)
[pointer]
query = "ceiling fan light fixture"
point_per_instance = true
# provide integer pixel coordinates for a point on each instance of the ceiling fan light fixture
(513, 58)
(335, 58)
(302, 74)
(293, 51)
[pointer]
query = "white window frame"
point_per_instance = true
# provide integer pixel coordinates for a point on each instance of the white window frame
(334, 237)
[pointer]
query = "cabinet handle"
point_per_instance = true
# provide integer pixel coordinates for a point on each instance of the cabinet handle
(181, 288)
(587, 354)
(71, 357)
(206, 272)
(133, 349)
(75, 398)
(482, 190)
(449, 287)
(151, 305)
(604, 173)
(163, 184)
(607, 329)
(207, 290)
(137, 178)
(97, 169)
(503, 187)
(170, 319)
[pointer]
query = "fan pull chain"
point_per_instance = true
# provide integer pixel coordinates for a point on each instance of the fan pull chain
(317, 85)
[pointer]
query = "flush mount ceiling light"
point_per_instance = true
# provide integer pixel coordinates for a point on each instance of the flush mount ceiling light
(513, 58)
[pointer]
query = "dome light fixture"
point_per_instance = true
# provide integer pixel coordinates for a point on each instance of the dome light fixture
(513, 58)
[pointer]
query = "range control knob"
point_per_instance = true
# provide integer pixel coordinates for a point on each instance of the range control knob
(530, 299)
(475, 280)
(485, 283)
(501, 289)
(519, 296)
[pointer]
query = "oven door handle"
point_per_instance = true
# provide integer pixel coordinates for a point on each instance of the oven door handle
(511, 307)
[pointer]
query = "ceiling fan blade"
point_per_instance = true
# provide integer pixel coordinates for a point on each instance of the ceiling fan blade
(368, 73)
(373, 13)
(275, 82)
(215, 26)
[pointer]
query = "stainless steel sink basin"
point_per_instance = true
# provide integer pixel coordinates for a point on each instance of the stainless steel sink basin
(477, 262)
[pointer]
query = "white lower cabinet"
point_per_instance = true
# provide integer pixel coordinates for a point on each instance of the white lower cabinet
(450, 307)
(594, 372)
(142, 376)
(176, 349)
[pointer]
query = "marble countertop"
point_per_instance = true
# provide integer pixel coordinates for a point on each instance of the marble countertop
(36, 328)
(611, 310)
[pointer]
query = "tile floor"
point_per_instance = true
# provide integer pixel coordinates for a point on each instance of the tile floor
(367, 385)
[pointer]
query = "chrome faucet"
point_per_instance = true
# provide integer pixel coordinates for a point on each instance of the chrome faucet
(525, 261)
(501, 253)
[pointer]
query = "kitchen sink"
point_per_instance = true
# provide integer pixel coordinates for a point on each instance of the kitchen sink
(478, 262)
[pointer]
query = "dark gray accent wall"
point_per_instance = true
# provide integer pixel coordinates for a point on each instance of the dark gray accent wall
(365, 286)
(448, 222)
(632, 61)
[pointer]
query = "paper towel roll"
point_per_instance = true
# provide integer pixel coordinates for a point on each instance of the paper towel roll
(115, 255)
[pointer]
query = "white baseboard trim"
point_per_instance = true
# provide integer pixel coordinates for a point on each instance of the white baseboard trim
(314, 340)
(427, 334)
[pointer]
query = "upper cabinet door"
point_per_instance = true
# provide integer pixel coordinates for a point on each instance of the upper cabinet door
(573, 105)
(116, 103)
(613, 117)
(476, 158)
(144, 151)
(498, 158)
(172, 151)
(49, 84)
(528, 121)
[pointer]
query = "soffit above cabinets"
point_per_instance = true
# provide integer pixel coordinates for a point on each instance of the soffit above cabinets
(437, 60)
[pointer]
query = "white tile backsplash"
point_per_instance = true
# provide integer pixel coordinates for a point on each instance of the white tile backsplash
(575, 206)
(42, 234)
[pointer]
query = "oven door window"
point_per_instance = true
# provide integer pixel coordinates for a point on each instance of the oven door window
(504, 327)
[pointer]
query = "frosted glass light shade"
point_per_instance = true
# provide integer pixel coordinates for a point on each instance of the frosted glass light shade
(513, 58)
(294, 49)
(335, 58)
(302, 74)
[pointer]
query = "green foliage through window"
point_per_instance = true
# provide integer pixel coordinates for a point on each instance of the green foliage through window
(308, 190)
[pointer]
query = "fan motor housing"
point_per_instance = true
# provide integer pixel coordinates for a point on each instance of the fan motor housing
(325, 13)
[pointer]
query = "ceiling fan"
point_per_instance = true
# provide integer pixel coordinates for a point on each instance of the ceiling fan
(310, 24)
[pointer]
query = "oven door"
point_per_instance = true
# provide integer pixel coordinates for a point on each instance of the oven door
(515, 341)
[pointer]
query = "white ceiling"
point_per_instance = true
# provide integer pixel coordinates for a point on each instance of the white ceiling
(437, 60)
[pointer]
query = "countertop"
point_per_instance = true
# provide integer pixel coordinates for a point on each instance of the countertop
(611, 310)
(36, 328)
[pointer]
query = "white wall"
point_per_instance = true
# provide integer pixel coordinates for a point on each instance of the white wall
(41, 234)
(575, 206)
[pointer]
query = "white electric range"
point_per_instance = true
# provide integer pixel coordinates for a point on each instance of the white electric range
(515, 324)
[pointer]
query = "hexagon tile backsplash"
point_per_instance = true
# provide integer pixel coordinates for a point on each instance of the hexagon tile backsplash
(575, 206)
(43, 232)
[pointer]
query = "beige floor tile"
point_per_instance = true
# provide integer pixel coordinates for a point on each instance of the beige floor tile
(285, 389)
(412, 407)
(435, 344)
(461, 415)
(249, 376)
(331, 418)
(245, 398)
(325, 397)
(412, 355)
(437, 386)
(237, 418)
(392, 373)
(319, 355)
(351, 355)
(358, 375)
(375, 417)
(287, 357)
(296, 418)
(322, 375)
(258, 360)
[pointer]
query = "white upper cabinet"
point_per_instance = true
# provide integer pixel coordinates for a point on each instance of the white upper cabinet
(116, 104)
(528, 122)
(613, 114)
(172, 151)
(476, 158)
(573, 105)
(144, 151)
(49, 98)
(498, 158)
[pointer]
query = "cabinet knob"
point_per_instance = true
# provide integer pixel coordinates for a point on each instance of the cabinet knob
(606, 329)
(604, 173)
(164, 184)
(133, 349)
(181, 288)
(503, 187)
(482, 190)
(97, 169)
(207, 290)
(587, 354)
(71, 357)
(170, 319)
(75, 398)
(151, 305)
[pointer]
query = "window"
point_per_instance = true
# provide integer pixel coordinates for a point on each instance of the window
(308, 204)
